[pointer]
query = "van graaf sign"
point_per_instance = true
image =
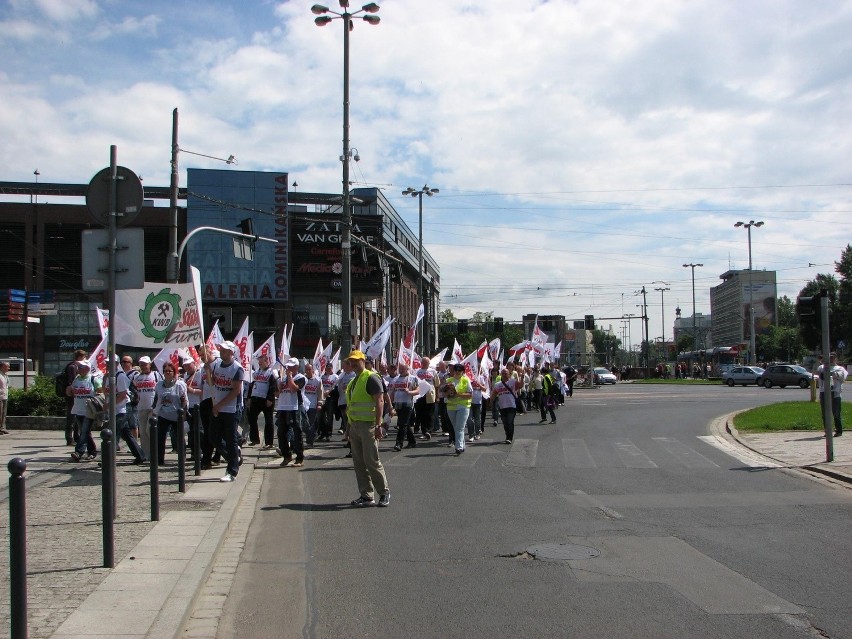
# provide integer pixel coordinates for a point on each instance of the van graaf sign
(316, 255)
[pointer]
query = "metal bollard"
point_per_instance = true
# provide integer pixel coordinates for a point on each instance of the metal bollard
(108, 495)
(154, 447)
(181, 437)
(18, 547)
(196, 439)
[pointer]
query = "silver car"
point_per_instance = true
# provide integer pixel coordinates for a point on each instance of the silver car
(744, 375)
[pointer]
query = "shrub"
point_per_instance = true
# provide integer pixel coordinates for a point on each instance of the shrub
(38, 400)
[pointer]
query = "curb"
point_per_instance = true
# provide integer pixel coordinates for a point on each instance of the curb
(734, 434)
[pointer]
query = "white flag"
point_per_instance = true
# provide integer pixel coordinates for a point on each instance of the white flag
(379, 340)
(439, 357)
(335, 360)
(103, 320)
(158, 316)
(215, 338)
(318, 354)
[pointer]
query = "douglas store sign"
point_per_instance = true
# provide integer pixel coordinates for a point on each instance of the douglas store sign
(315, 255)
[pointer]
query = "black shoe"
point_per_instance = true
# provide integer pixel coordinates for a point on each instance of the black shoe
(397, 448)
(552, 421)
(427, 436)
(411, 445)
(348, 455)
(838, 433)
(384, 500)
(458, 451)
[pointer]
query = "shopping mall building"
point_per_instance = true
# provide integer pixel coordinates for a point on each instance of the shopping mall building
(296, 280)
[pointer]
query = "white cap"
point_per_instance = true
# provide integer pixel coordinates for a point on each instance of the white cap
(144, 360)
(292, 362)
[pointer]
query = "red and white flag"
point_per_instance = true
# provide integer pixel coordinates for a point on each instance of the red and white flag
(98, 359)
(245, 349)
(267, 348)
(458, 354)
(471, 365)
(215, 338)
(284, 352)
(175, 356)
(403, 356)
(494, 348)
(518, 348)
(483, 348)
(317, 353)
(485, 368)
(538, 336)
(103, 321)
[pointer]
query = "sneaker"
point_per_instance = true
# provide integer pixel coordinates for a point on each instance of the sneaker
(427, 436)
(508, 441)
(459, 451)
(75, 456)
(552, 421)
(227, 477)
(90, 457)
(286, 461)
(397, 448)
(384, 500)
(363, 501)
(298, 463)
(278, 452)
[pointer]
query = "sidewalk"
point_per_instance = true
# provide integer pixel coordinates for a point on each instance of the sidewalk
(805, 450)
(160, 566)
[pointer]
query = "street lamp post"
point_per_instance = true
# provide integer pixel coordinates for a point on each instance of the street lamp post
(752, 354)
(426, 190)
(694, 331)
(663, 313)
(346, 233)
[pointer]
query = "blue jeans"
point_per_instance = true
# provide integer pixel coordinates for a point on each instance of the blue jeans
(123, 427)
(86, 443)
(290, 434)
(458, 417)
(475, 421)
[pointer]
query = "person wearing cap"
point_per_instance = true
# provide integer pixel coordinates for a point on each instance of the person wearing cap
(72, 434)
(262, 400)
(329, 406)
(226, 376)
(145, 383)
(365, 402)
(424, 407)
(288, 415)
(346, 376)
(84, 386)
(123, 428)
(312, 394)
(838, 375)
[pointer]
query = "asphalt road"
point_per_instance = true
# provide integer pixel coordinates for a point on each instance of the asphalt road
(623, 519)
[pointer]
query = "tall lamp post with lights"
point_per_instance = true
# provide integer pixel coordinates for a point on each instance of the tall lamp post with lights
(694, 330)
(752, 349)
(419, 193)
(346, 235)
(663, 290)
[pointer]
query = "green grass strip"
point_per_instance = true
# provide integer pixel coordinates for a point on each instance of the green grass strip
(786, 416)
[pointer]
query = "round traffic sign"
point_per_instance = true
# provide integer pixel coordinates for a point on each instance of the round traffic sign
(128, 200)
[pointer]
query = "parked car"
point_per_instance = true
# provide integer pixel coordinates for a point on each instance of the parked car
(785, 375)
(603, 376)
(744, 375)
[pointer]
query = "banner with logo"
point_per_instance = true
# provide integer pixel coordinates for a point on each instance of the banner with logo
(159, 315)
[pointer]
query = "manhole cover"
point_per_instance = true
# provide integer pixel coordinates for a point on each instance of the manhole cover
(562, 552)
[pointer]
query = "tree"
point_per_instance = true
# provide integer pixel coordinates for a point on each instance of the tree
(605, 343)
(685, 342)
(786, 310)
(843, 309)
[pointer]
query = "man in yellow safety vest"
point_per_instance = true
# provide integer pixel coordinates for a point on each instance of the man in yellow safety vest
(365, 406)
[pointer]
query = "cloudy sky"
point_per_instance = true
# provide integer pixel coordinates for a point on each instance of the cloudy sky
(582, 149)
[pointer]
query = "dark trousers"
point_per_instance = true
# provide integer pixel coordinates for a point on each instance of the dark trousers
(163, 427)
(85, 442)
(290, 434)
(404, 414)
(325, 420)
(122, 425)
(423, 415)
(225, 424)
(258, 405)
(72, 430)
(547, 404)
(507, 416)
(835, 411)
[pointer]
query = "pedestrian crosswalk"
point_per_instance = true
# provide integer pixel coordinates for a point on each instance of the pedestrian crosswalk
(702, 452)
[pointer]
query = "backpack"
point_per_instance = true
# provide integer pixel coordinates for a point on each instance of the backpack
(60, 384)
(132, 393)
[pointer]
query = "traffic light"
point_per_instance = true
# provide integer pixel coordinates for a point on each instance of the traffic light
(809, 309)
(247, 226)
(395, 272)
(589, 322)
(498, 324)
(462, 328)
(547, 325)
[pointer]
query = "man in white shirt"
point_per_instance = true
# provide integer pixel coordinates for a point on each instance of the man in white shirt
(4, 396)
(838, 376)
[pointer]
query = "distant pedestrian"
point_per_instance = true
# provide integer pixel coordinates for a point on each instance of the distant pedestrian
(72, 433)
(365, 402)
(226, 377)
(458, 393)
(838, 376)
(170, 404)
(84, 386)
(504, 397)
